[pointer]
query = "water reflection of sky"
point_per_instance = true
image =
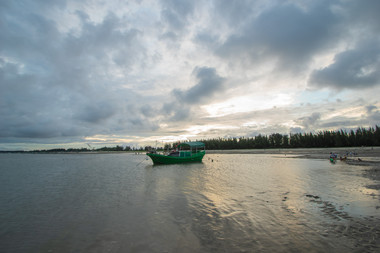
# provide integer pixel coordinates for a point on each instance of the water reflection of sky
(228, 203)
(231, 200)
(252, 199)
(268, 178)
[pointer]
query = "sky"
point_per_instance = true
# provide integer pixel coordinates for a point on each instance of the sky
(105, 73)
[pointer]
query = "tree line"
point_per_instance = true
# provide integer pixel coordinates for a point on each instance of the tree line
(340, 138)
(322, 139)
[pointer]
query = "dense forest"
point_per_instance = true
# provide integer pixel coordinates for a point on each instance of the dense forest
(340, 138)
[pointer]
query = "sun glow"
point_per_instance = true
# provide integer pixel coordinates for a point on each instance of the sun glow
(247, 103)
(195, 130)
(353, 112)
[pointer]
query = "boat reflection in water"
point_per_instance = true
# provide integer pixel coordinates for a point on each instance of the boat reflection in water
(186, 152)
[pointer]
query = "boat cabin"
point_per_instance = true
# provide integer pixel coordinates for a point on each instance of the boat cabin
(187, 149)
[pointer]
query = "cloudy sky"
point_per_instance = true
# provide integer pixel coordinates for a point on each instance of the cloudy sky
(132, 72)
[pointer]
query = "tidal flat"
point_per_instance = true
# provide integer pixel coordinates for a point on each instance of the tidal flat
(234, 201)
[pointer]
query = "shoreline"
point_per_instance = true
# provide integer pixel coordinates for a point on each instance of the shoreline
(304, 152)
(360, 151)
(360, 156)
(367, 156)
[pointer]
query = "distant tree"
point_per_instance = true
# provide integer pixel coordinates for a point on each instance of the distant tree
(285, 141)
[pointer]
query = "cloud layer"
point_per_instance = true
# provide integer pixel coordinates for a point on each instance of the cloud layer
(112, 72)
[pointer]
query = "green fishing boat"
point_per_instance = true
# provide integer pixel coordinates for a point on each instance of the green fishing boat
(187, 152)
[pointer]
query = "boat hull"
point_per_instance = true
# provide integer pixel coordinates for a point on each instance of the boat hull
(163, 159)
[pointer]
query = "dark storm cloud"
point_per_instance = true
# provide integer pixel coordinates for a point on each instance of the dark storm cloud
(291, 35)
(364, 14)
(373, 114)
(359, 66)
(309, 122)
(180, 112)
(209, 84)
(285, 32)
(356, 69)
(371, 108)
(96, 113)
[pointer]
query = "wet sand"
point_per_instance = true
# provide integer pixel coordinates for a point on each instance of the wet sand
(315, 153)
(361, 232)
(363, 156)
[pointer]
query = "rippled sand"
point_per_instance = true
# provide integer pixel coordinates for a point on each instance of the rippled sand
(364, 231)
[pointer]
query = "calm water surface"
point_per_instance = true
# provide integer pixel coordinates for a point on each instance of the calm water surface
(228, 203)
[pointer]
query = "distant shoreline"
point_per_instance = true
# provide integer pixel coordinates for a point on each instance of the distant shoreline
(307, 152)
(302, 152)
(365, 156)
(361, 156)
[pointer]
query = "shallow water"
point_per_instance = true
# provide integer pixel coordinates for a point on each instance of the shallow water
(228, 203)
